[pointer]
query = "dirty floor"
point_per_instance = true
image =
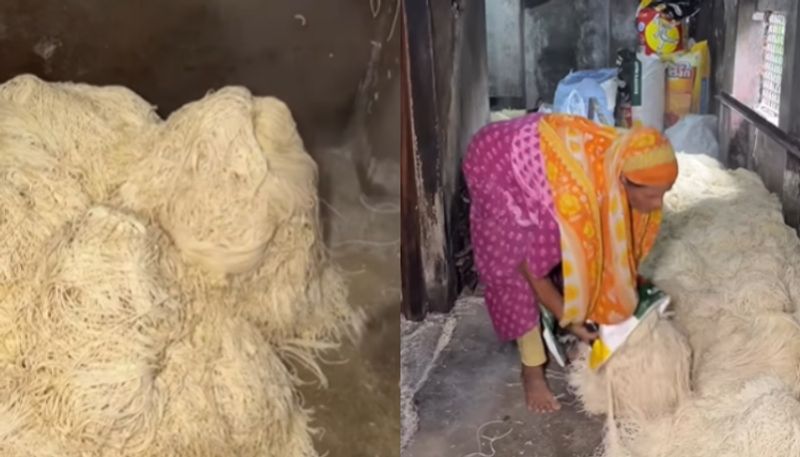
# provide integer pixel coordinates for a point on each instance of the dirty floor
(359, 412)
(472, 403)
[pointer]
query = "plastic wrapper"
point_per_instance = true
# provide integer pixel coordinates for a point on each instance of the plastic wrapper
(687, 83)
(663, 25)
(590, 93)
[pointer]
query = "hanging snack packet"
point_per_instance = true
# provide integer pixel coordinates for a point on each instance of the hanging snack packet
(657, 34)
(663, 25)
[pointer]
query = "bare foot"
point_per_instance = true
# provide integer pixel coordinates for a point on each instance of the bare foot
(538, 395)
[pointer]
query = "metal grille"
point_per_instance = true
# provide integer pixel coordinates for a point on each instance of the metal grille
(769, 103)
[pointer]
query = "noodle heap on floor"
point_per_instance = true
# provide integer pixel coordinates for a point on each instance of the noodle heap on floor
(722, 377)
(162, 281)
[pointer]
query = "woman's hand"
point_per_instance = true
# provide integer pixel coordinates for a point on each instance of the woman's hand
(585, 335)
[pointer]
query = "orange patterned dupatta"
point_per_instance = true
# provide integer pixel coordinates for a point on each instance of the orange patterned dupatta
(603, 241)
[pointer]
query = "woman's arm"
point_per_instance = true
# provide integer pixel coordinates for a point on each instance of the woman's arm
(545, 291)
(549, 295)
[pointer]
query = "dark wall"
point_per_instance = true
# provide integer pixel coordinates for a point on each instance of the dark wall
(712, 25)
(374, 129)
(504, 48)
(471, 110)
(575, 35)
(379, 162)
(462, 85)
(174, 51)
(563, 35)
(449, 102)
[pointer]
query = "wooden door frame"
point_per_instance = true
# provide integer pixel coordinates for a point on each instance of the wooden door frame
(423, 256)
(413, 304)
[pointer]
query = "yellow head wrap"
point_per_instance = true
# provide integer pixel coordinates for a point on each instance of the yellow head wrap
(648, 158)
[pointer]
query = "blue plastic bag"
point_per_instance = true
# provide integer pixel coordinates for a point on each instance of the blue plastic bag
(588, 93)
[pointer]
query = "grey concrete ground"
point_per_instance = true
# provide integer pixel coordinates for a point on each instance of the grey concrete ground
(472, 403)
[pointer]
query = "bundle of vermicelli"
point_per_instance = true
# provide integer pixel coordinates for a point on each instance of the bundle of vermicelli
(20, 434)
(772, 346)
(204, 182)
(298, 293)
(104, 322)
(229, 181)
(87, 127)
(760, 419)
(295, 269)
(229, 394)
(14, 334)
(37, 196)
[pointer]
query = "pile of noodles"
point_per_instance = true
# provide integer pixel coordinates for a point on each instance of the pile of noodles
(160, 280)
(86, 127)
(722, 376)
(228, 180)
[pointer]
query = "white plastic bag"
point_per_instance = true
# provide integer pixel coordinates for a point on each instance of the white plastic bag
(695, 134)
(654, 84)
(588, 93)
